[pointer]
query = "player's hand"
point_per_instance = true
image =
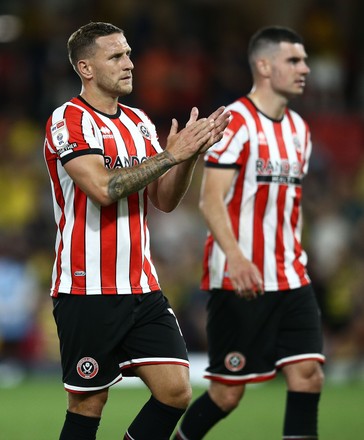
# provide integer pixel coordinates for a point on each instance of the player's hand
(198, 135)
(188, 142)
(245, 277)
(221, 117)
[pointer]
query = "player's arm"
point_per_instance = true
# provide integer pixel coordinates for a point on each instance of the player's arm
(106, 186)
(166, 192)
(244, 275)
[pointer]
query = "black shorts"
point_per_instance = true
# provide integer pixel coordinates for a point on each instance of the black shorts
(249, 340)
(103, 337)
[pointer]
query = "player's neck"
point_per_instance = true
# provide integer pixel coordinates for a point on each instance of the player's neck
(105, 104)
(270, 104)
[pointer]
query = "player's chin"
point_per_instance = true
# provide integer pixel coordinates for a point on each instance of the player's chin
(125, 89)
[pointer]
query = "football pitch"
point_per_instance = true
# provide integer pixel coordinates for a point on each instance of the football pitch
(35, 410)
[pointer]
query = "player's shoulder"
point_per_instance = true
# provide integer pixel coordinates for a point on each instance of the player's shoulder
(297, 118)
(68, 108)
(134, 112)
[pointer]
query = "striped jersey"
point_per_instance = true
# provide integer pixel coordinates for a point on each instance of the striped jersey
(99, 250)
(264, 202)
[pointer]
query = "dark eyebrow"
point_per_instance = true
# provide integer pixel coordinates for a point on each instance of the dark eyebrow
(297, 59)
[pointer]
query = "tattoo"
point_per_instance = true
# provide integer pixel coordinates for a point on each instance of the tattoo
(126, 181)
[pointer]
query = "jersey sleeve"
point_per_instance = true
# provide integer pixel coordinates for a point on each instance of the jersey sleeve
(70, 133)
(228, 152)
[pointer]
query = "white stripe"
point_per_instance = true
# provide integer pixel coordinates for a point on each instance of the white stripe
(68, 192)
(154, 360)
(74, 388)
(93, 251)
(180, 433)
(131, 438)
(300, 357)
(244, 377)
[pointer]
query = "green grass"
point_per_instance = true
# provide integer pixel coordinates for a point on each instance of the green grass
(35, 410)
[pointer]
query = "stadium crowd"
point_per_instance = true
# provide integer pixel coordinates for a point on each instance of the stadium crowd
(186, 53)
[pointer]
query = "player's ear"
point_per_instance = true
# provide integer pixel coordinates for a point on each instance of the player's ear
(84, 69)
(263, 67)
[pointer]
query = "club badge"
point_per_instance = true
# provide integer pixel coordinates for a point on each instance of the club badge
(87, 368)
(234, 361)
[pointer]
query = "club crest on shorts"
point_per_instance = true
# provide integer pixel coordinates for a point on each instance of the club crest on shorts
(234, 361)
(87, 368)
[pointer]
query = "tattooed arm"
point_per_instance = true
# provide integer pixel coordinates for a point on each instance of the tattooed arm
(105, 186)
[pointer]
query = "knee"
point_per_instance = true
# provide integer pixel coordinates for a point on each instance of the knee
(227, 398)
(182, 396)
(178, 395)
(313, 379)
(317, 379)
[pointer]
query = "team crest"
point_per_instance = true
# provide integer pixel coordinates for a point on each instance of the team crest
(297, 144)
(87, 368)
(60, 134)
(234, 361)
(144, 131)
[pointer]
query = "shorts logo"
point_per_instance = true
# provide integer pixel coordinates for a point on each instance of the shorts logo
(87, 368)
(234, 361)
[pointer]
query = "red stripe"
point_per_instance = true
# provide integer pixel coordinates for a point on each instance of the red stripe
(147, 268)
(234, 207)
(281, 203)
(205, 280)
(261, 197)
(108, 223)
(226, 381)
(135, 227)
(78, 263)
(52, 160)
(108, 248)
(298, 266)
(135, 243)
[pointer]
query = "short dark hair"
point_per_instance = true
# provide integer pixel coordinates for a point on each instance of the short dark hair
(271, 35)
(81, 42)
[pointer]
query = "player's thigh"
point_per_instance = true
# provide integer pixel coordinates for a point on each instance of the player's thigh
(169, 383)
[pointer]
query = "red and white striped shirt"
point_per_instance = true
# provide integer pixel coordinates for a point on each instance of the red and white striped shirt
(99, 250)
(264, 202)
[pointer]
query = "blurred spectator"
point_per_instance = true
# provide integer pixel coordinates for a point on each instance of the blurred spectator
(19, 291)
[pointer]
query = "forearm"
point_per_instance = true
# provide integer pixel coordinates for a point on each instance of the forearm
(219, 223)
(167, 192)
(126, 181)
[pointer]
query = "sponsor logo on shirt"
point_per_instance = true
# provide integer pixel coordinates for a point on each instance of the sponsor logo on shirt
(106, 133)
(122, 162)
(283, 171)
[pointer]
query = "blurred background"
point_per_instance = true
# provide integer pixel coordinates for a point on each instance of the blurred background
(186, 53)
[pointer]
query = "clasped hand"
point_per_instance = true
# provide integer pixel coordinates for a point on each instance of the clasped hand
(198, 135)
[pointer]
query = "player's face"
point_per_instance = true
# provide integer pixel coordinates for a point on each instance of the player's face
(289, 69)
(111, 65)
